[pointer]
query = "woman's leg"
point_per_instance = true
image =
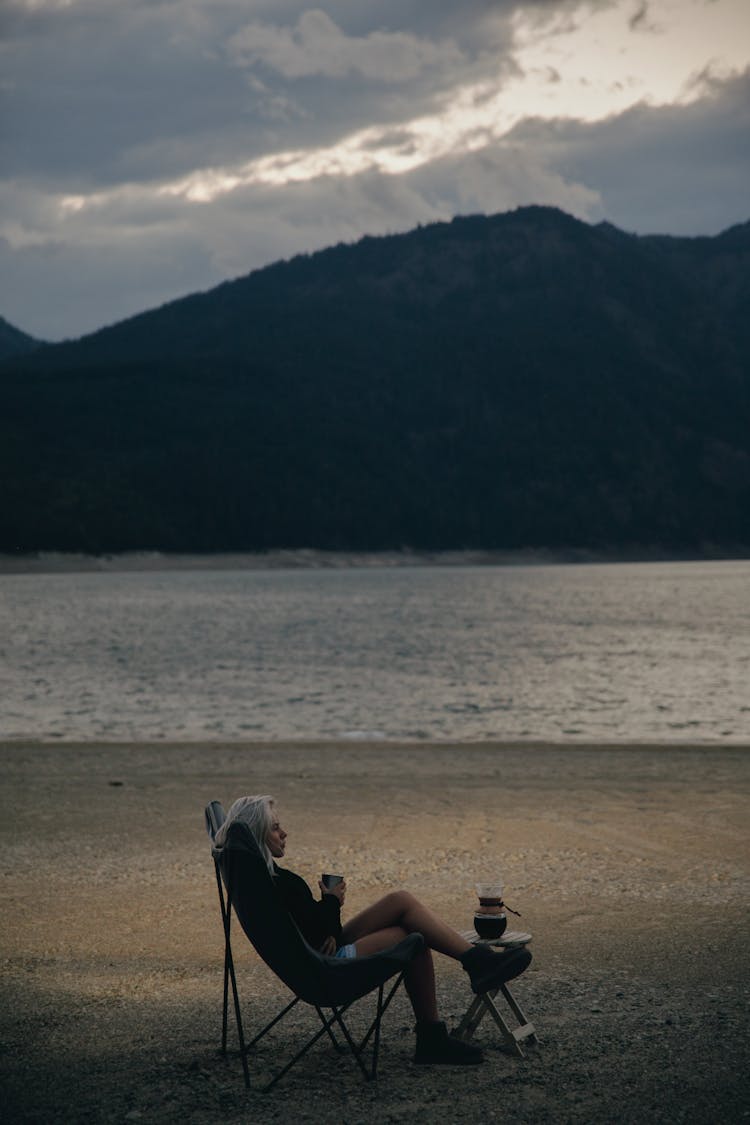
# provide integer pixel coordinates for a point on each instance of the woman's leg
(387, 922)
(419, 978)
(403, 910)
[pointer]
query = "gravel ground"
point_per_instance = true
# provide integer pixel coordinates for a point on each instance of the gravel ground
(629, 865)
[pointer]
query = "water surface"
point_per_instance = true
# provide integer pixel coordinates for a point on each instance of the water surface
(616, 653)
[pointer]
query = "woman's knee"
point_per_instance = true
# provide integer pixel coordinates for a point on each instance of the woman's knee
(398, 901)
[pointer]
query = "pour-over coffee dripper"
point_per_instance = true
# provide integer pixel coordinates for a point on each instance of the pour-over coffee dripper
(489, 919)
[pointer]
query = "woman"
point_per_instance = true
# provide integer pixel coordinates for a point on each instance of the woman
(386, 922)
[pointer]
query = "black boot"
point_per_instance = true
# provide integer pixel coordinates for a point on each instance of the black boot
(488, 970)
(435, 1045)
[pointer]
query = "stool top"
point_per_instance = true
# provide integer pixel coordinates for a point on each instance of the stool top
(511, 939)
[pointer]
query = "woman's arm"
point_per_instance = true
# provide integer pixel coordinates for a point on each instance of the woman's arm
(317, 920)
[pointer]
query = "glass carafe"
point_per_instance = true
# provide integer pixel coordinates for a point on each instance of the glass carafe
(489, 919)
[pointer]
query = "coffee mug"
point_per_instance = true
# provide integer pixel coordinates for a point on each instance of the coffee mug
(329, 881)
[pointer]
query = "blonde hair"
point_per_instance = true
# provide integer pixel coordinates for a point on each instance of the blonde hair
(258, 814)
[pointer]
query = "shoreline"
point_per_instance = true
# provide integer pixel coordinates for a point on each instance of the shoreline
(368, 745)
(144, 562)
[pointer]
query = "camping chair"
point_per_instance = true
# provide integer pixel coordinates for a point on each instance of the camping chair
(322, 982)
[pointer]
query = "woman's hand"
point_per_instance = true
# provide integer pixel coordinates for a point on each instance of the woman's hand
(328, 948)
(339, 891)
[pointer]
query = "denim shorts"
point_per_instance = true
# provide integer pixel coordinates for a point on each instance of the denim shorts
(346, 951)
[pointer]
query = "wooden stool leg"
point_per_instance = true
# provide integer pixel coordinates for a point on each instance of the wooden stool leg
(481, 1005)
(471, 1019)
(518, 1012)
(506, 1032)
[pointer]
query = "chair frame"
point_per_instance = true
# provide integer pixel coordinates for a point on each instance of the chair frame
(214, 816)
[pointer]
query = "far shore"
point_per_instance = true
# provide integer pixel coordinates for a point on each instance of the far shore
(61, 562)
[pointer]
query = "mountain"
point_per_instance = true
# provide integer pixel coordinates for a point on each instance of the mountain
(519, 380)
(14, 342)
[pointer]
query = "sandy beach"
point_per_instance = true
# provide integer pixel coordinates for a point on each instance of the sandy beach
(630, 866)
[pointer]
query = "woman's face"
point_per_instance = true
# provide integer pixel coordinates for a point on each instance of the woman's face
(276, 838)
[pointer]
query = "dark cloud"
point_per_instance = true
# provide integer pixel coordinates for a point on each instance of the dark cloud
(107, 103)
(317, 46)
(96, 93)
(103, 89)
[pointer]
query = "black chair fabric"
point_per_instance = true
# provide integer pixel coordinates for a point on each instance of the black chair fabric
(316, 979)
(215, 817)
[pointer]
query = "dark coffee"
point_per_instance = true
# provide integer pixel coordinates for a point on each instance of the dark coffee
(331, 880)
(490, 926)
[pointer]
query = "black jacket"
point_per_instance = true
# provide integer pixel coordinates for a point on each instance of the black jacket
(317, 919)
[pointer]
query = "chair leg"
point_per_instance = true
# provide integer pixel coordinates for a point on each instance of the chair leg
(273, 1023)
(337, 1014)
(292, 1062)
(355, 1050)
(229, 976)
(225, 1005)
(376, 1044)
(388, 999)
(326, 1023)
(374, 1028)
(227, 959)
(226, 911)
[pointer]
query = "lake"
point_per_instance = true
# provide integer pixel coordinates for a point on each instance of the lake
(616, 653)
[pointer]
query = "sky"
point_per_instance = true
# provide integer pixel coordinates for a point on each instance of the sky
(154, 148)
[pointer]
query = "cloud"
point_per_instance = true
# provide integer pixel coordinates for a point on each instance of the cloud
(676, 169)
(155, 147)
(97, 93)
(317, 46)
(680, 169)
(640, 19)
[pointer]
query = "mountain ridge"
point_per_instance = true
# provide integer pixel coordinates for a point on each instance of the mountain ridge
(14, 342)
(519, 380)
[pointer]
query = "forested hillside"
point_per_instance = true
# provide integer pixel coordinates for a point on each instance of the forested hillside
(519, 380)
(13, 341)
